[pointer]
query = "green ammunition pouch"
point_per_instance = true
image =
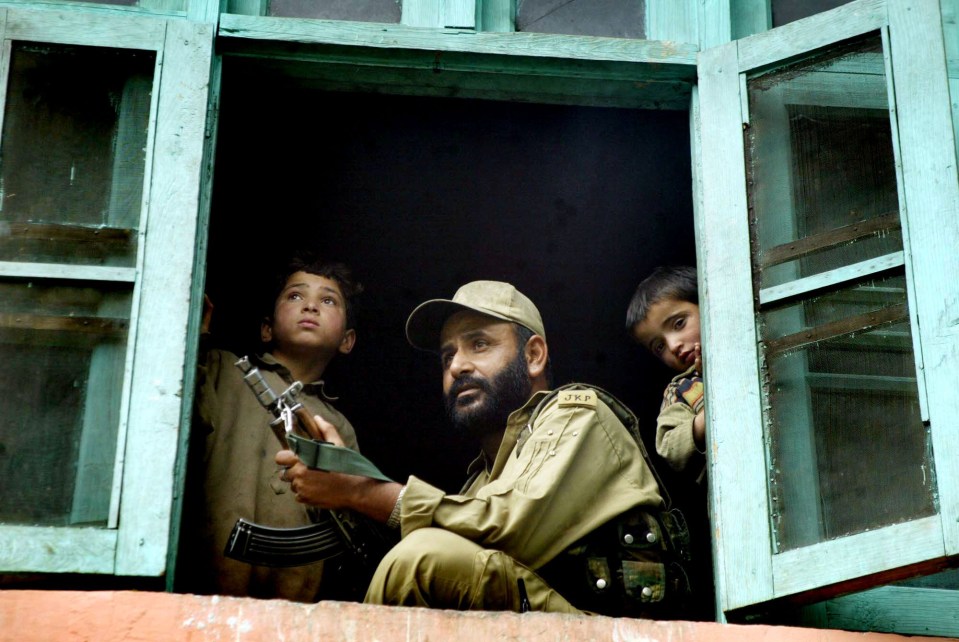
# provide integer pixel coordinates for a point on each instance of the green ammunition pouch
(626, 568)
(634, 565)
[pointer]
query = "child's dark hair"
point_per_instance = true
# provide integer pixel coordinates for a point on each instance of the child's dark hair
(334, 271)
(665, 282)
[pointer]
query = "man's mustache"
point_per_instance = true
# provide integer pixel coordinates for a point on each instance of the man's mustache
(468, 381)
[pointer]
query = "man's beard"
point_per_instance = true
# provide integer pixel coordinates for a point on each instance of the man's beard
(509, 389)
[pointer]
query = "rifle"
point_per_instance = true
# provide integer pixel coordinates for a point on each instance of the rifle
(357, 542)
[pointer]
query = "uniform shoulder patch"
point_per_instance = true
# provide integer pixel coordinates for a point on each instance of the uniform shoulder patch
(581, 398)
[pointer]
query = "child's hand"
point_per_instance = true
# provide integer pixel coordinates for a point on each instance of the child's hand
(699, 429)
(698, 349)
(329, 431)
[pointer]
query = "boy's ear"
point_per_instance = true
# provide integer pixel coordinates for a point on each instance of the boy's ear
(349, 338)
(266, 330)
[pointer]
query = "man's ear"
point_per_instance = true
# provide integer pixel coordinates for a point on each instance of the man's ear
(349, 338)
(536, 356)
(266, 330)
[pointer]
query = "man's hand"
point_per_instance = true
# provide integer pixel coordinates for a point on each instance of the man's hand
(318, 487)
(337, 491)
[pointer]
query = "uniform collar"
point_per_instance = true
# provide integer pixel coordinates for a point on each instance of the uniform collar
(317, 388)
(517, 432)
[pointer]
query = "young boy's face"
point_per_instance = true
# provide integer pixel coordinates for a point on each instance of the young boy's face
(671, 332)
(309, 315)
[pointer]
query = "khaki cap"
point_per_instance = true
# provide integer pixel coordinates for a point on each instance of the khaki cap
(492, 298)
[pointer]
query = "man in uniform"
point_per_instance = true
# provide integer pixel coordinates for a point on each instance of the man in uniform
(554, 471)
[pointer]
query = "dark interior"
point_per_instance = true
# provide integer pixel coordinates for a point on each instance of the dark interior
(574, 205)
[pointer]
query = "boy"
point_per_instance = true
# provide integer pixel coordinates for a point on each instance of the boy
(310, 322)
(663, 316)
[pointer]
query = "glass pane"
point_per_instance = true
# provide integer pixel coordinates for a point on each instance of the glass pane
(848, 448)
(789, 10)
(358, 10)
(63, 349)
(822, 173)
(75, 197)
(610, 18)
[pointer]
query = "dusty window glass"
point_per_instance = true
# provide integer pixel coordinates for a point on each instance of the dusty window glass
(357, 10)
(73, 154)
(610, 18)
(848, 450)
(63, 349)
(784, 11)
(822, 174)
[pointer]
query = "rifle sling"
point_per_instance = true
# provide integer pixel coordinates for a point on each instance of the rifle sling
(323, 455)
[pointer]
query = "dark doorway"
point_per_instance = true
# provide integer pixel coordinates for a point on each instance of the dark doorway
(420, 195)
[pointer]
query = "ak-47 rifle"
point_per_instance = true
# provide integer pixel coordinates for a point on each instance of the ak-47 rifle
(354, 540)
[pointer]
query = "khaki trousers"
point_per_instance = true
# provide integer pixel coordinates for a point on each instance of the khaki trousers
(436, 568)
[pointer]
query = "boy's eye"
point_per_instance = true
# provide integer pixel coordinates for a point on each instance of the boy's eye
(294, 296)
(680, 322)
(329, 301)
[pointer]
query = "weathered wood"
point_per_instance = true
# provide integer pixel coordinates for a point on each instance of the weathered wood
(465, 74)
(156, 393)
(87, 325)
(496, 15)
(715, 25)
(900, 609)
(750, 16)
(57, 549)
(64, 271)
(830, 279)
(826, 240)
(458, 14)
(835, 563)
(836, 329)
(798, 38)
(734, 440)
(931, 190)
(401, 37)
(673, 20)
(82, 28)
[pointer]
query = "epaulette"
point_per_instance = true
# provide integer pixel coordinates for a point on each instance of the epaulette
(585, 395)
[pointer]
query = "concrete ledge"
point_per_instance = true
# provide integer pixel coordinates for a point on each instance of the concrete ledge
(107, 616)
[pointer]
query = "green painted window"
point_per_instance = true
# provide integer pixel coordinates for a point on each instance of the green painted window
(75, 129)
(827, 237)
(99, 182)
(838, 370)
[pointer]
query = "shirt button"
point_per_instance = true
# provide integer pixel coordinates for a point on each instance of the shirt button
(552, 453)
(549, 432)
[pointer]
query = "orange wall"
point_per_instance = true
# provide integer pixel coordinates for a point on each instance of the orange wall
(107, 616)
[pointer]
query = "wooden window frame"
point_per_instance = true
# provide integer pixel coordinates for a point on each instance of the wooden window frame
(136, 540)
(748, 573)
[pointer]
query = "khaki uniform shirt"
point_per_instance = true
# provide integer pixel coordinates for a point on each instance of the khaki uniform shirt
(241, 479)
(551, 483)
(682, 401)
